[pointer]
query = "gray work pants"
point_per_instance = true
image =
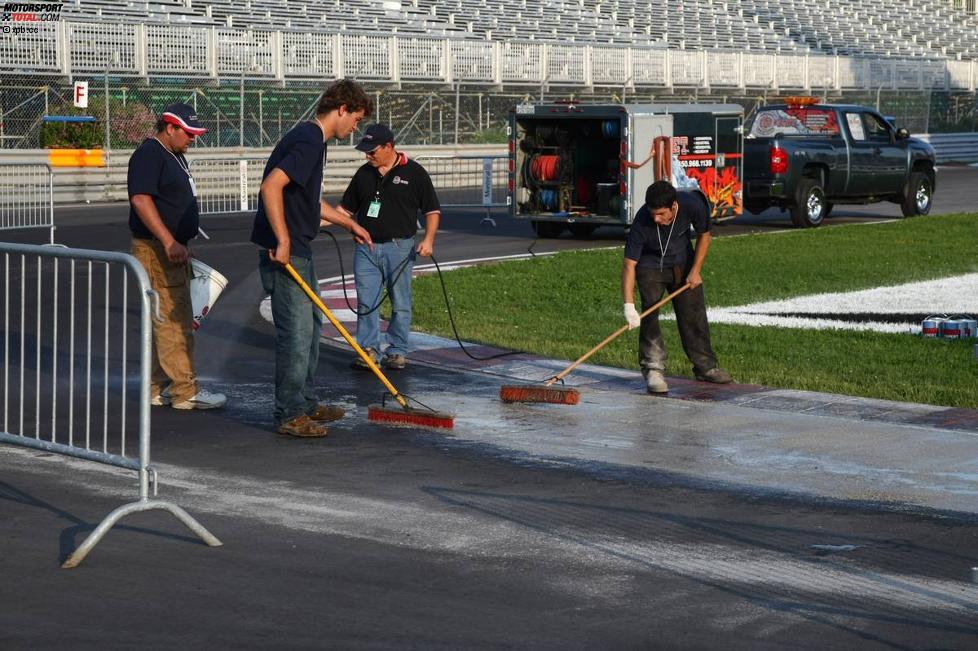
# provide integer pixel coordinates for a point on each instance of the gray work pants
(690, 307)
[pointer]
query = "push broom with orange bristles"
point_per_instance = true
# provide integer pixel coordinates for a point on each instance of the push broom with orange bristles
(569, 395)
(405, 415)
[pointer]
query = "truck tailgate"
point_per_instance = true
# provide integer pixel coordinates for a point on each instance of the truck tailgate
(757, 159)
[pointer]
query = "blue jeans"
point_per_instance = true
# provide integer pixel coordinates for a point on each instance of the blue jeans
(388, 266)
(297, 325)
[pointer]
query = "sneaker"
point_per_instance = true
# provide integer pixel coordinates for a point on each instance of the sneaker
(715, 375)
(396, 362)
(161, 399)
(202, 400)
(302, 427)
(655, 382)
(326, 413)
(359, 363)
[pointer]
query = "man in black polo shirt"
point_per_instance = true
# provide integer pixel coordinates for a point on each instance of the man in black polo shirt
(290, 213)
(660, 255)
(386, 194)
(163, 218)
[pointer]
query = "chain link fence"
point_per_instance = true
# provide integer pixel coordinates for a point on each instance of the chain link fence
(255, 113)
(237, 113)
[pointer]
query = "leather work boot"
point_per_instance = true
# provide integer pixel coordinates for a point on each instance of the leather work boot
(302, 427)
(326, 413)
(395, 362)
(360, 364)
(655, 382)
(715, 375)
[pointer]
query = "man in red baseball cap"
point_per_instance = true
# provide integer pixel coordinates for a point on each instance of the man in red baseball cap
(183, 116)
(164, 217)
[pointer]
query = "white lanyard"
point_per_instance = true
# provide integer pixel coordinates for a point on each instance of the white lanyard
(185, 168)
(662, 251)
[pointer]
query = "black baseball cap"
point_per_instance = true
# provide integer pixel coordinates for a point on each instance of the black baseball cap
(185, 117)
(375, 136)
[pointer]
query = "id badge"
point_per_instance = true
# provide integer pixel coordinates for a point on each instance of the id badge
(374, 209)
(193, 186)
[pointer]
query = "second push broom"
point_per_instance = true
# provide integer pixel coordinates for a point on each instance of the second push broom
(405, 414)
(569, 395)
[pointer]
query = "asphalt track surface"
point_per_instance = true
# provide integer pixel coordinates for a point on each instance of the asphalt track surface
(526, 527)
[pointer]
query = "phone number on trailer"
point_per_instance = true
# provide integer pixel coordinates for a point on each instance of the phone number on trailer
(697, 163)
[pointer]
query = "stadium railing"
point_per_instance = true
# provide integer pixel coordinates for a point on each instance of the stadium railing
(193, 52)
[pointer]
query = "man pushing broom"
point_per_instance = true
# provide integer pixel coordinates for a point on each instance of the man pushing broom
(659, 253)
(660, 256)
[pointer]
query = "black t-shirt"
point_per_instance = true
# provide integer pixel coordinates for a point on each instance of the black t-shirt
(404, 191)
(301, 154)
(646, 240)
(165, 176)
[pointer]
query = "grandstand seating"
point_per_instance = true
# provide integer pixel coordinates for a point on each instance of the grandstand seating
(933, 29)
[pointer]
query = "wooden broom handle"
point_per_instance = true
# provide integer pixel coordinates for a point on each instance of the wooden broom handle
(614, 335)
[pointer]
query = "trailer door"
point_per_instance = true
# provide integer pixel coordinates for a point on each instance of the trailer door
(642, 132)
(728, 196)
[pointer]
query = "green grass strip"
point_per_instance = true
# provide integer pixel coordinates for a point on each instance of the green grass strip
(560, 306)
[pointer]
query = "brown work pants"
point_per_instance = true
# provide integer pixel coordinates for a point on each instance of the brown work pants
(173, 337)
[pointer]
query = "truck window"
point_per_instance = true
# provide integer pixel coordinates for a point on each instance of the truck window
(876, 129)
(790, 121)
(855, 123)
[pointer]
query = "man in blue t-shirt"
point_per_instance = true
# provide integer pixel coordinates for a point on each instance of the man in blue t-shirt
(163, 218)
(290, 213)
(660, 255)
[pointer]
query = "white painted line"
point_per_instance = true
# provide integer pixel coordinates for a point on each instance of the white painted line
(338, 293)
(344, 315)
(953, 296)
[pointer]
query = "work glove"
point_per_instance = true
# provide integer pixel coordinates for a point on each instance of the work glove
(632, 316)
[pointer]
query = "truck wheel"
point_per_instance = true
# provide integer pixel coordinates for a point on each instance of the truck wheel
(920, 193)
(582, 231)
(548, 229)
(810, 204)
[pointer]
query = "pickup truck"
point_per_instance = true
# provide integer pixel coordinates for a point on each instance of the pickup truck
(805, 157)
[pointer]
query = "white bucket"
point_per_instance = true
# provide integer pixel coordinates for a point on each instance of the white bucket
(205, 287)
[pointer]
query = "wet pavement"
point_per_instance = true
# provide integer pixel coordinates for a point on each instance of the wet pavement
(734, 516)
(756, 438)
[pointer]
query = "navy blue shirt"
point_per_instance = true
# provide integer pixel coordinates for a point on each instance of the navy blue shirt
(301, 154)
(405, 190)
(165, 176)
(646, 240)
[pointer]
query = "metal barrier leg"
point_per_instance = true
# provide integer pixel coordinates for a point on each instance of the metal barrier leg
(93, 539)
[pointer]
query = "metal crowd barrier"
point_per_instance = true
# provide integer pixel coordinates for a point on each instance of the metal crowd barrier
(26, 197)
(469, 181)
(68, 316)
(474, 181)
(227, 185)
